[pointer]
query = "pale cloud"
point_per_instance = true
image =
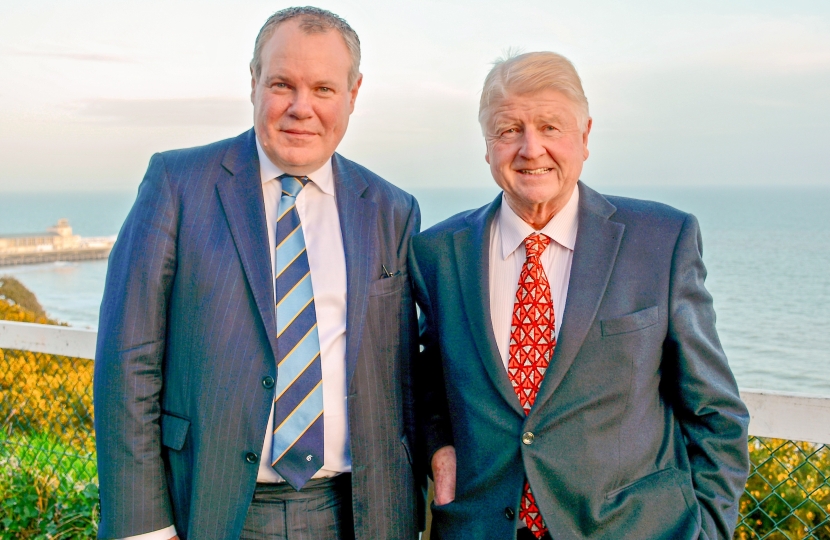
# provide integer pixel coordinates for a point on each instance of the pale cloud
(681, 93)
(195, 112)
(762, 43)
(79, 56)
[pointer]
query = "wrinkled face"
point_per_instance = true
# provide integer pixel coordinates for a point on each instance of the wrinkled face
(536, 148)
(302, 100)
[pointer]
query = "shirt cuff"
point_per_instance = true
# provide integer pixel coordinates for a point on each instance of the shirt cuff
(163, 534)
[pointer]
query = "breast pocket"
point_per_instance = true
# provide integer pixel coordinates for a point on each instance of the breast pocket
(631, 322)
(388, 285)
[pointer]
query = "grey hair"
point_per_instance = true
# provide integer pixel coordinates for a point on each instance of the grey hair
(313, 20)
(528, 73)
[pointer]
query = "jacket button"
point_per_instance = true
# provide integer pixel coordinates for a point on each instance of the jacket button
(250, 457)
(527, 438)
(268, 382)
(509, 513)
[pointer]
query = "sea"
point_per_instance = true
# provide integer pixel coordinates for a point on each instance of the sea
(767, 250)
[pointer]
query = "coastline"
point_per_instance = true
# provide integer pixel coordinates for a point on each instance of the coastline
(66, 255)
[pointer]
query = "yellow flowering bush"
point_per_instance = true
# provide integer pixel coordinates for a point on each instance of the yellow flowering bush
(14, 312)
(43, 393)
(48, 476)
(788, 491)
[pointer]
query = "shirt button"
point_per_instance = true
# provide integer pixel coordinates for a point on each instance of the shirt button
(509, 513)
(527, 438)
(268, 382)
(250, 457)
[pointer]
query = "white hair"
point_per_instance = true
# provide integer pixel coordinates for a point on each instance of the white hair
(528, 73)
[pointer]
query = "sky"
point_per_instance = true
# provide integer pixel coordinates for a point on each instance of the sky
(711, 93)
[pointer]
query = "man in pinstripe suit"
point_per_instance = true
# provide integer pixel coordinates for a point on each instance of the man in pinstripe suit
(252, 371)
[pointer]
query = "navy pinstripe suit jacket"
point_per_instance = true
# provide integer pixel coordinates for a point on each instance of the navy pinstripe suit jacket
(187, 335)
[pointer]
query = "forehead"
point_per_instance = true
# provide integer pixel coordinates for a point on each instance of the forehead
(534, 106)
(291, 48)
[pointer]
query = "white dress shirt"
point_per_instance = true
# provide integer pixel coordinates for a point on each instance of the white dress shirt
(327, 261)
(507, 256)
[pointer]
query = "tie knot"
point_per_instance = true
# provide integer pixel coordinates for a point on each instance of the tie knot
(535, 244)
(291, 185)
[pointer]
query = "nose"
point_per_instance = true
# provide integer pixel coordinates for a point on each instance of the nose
(532, 147)
(300, 107)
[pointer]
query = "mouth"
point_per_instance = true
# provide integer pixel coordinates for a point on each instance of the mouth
(298, 132)
(535, 172)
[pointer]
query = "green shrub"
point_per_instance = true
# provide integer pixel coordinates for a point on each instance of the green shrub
(38, 505)
(15, 293)
(48, 489)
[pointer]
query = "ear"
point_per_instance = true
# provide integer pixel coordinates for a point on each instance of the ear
(253, 84)
(486, 142)
(353, 92)
(585, 134)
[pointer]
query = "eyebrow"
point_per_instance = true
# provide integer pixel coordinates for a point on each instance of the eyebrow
(281, 78)
(552, 118)
(273, 78)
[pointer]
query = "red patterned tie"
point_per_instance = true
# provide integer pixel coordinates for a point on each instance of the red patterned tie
(532, 341)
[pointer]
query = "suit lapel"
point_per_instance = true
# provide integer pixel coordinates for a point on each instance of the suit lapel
(242, 201)
(472, 256)
(358, 227)
(595, 251)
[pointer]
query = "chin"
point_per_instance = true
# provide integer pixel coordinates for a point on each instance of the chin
(539, 196)
(298, 159)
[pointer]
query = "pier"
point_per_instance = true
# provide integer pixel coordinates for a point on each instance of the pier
(58, 243)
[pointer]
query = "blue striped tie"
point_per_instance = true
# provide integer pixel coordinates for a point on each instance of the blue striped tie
(298, 410)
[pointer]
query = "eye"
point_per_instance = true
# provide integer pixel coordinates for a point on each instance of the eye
(552, 131)
(279, 85)
(325, 89)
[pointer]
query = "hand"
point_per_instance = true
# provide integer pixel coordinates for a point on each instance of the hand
(443, 472)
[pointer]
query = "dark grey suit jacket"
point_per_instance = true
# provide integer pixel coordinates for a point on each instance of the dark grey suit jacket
(639, 431)
(187, 335)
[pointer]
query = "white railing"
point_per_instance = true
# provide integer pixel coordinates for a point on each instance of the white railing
(48, 339)
(797, 417)
(772, 414)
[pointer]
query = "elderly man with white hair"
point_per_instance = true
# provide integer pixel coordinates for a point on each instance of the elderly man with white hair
(573, 384)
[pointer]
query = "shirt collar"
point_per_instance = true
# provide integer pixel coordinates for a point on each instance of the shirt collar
(561, 228)
(323, 177)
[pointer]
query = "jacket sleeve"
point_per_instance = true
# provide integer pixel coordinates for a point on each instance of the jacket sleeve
(701, 388)
(433, 421)
(128, 363)
(411, 227)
